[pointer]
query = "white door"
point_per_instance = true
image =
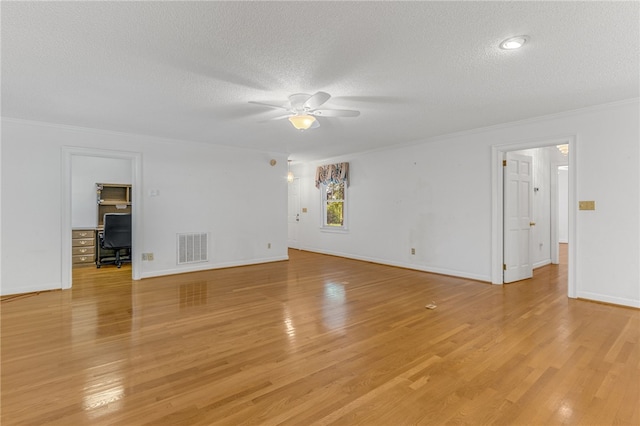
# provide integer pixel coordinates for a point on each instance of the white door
(518, 198)
(293, 213)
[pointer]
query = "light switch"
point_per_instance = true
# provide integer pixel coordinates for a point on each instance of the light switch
(587, 205)
(304, 210)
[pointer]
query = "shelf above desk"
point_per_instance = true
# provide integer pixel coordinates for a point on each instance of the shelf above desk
(112, 198)
(113, 203)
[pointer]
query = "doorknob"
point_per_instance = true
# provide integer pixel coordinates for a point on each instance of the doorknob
(532, 224)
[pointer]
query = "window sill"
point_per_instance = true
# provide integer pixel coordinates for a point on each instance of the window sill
(333, 230)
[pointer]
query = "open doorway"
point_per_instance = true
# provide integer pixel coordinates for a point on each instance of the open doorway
(561, 175)
(532, 203)
(548, 251)
(84, 215)
(562, 185)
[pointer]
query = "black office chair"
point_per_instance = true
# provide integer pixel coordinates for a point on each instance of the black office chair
(117, 237)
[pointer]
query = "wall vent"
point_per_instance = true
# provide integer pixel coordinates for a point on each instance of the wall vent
(193, 248)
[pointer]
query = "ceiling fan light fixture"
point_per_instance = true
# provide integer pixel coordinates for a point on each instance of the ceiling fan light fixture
(302, 122)
(514, 42)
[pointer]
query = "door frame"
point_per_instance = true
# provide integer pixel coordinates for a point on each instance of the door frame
(136, 207)
(497, 193)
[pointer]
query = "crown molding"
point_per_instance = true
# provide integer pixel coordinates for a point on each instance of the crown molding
(150, 138)
(480, 130)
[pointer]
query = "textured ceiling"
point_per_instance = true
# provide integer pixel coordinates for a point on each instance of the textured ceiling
(187, 70)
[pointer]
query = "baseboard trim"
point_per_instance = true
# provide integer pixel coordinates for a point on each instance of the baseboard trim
(542, 263)
(439, 271)
(208, 267)
(621, 301)
(32, 289)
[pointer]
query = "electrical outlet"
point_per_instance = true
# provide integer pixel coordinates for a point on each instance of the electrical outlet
(149, 257)
(413, 251)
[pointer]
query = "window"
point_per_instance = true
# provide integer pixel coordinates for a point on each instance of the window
(333, 180)
(334, 205)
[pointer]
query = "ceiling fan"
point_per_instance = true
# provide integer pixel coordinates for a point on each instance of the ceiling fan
(302, 110)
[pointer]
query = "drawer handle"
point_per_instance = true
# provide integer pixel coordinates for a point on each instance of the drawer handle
(82, 250)
(83, 243)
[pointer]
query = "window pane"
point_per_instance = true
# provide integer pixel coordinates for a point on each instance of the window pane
(335, 215)
(335, 191)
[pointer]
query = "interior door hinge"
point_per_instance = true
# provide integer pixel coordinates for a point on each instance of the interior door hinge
(504, 266)
(504, 163)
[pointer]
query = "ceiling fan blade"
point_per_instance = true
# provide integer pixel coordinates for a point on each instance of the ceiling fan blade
(280, 117)
(315, 125)
(298, 101)
(269, 105)
(393, 100)
(316, 100)
(336, 113)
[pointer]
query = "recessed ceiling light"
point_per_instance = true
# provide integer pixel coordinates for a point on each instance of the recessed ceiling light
(514, 42)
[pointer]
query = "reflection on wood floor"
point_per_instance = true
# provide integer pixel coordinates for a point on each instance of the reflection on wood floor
(316, 340)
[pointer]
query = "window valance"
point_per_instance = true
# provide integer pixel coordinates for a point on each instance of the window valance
(332, 173)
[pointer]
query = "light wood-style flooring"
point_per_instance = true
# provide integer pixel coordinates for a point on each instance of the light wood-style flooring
(316, 340)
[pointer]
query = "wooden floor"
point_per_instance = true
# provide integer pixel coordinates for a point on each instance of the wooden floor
(316, 340)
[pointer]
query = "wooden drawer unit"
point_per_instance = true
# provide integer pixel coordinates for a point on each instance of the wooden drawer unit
(83, 242)
(84, 260)
(84, 251)
(83, 233)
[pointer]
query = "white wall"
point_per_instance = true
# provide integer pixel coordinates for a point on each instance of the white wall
(235, 195)
(85, 173)
(435, 196)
